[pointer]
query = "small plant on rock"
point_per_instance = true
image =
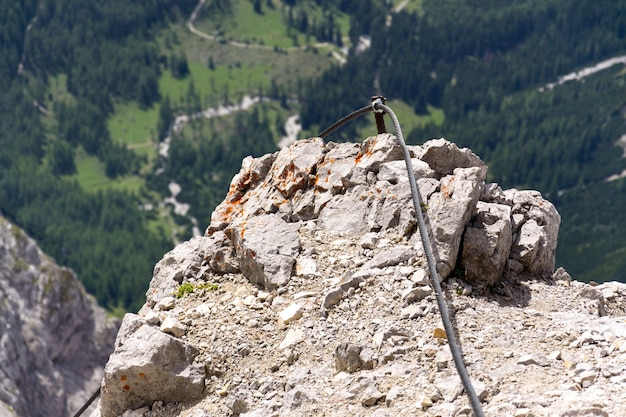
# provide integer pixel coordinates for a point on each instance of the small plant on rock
(188, 288)
(184, 289)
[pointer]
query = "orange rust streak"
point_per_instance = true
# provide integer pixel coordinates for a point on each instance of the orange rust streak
(126, 387)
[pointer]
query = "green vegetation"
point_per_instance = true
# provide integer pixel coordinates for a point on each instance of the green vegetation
(483, 66)
(203, 164)
(274, 24)
(78, 171)
(188, 288)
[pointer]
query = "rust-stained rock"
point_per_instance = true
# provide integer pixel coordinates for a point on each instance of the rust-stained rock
(147, 366)
(293, 165)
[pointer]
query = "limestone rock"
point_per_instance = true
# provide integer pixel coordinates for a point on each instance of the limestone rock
(450, 387)
(147, 366)
(325, 306)
(535, 231)
(239, 401)
(191, 259)
(293, 337)
(253, 172)
(266, 247)
(450, 209)
(335, 295)
(291, 169)
(349, 357)
(295, 398)
(416, 294)
(395, 171)
(487, 243)
(347, 213)
(369, 393)
(220, 254)
(391, 256)
(54, 338)
(307, 267)
(291, 313)
(174, 327)
(336, 167)
(378, 150)
(444, 156)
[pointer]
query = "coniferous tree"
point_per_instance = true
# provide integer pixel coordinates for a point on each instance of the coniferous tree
(62, 158)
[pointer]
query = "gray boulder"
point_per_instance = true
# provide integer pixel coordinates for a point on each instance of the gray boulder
(266, 247)
(354, 189)
(449, 210)
(487, 243)
(535, 224)
(336, 168)
(444, 156)
(347, 213)
(351, 357)
(147, 366)
(377, 150)
(293, 166)
(252, 173)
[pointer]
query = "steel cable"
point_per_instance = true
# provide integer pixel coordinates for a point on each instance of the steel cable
(378, 106)
(345, 120)
(455, 349)
(88, 403)
(432, 267)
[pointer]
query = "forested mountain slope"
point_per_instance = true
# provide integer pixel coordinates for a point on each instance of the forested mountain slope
(485, 65)
(91, 89)
(102, 235)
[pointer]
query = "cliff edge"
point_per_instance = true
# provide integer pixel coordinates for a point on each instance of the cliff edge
(54, 338)
(309, 295)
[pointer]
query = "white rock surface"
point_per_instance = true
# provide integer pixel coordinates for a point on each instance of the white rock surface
(148, 365)
(362, 336)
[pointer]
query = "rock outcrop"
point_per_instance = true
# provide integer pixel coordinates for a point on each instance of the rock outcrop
(309, 295)
(54, 339)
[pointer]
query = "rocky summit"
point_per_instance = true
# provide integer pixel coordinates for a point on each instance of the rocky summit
(54, 338)
(309, 295)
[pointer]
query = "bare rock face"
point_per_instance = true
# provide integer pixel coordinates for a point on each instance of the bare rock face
(450, 209)
(487, 243)
(535, 228)
(350, 189)
(54, 339)
(323, 304)
(266, 248)
(357, 189)
(147, 366)
(188, 260)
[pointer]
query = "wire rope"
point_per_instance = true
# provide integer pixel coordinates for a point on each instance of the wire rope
(455, 349)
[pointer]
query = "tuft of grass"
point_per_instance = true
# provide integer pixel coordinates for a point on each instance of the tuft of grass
(184, 289)
(188, 288)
